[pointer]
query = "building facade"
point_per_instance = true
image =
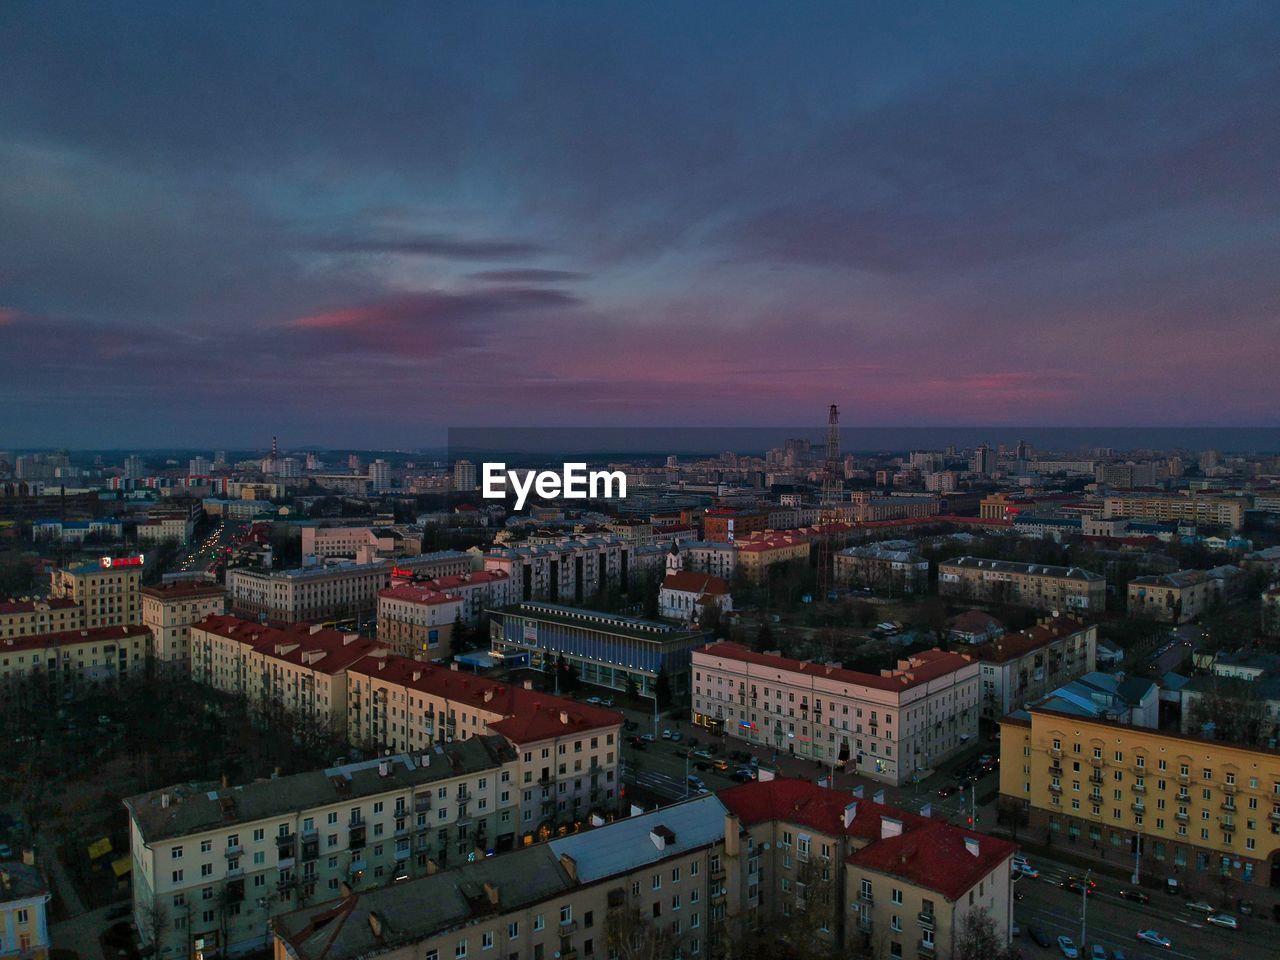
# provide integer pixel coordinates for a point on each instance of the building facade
(1204, 812)
(889, 727)
(217, 862)
(607, 650)
(24, 917)
(415, 620)
(76, 660)
(22, 618)
(340, 591)
(169, 611)
(1035, 585)
(1019, 668)
(1177, 597)
(883, 569)
(107, 590)
(1193, 508)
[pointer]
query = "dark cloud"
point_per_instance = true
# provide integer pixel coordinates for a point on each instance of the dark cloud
(451, 248)
(528, 275)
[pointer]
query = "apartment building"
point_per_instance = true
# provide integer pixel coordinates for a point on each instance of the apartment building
(177, 527)
(307, 593)
(107, 590)
(765, 550)
(217, 862)
(717, 558)
(568, 752)
(24, 914)
(728, 524)
(1177, 597)
(1023, 667)
(169, 611)
(862, 877)
(364, 543)
(1271, 612)
(415, 620)
(572, 569)
(1192, 508)
(889, 727)
(866, 506)
(438, 563)
(1035, 585)
(664, 881)
(24, 617)
(1203, 811)
(606, 650)
(886, 569)
(299, 670)
(478, 591)
(75, 660)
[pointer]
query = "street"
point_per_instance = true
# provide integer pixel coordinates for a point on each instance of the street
(1113, 921)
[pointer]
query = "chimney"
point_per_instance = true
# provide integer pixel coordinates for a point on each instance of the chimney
(890, 827)
(375, 924)
(453, 665)
(570, 866)
(164, 801)
(528, 684)
(491, 891)
(226, 782)
(732, 829)
(384, 768)
(850, 812)
(564, 717)
(488, 695)
(971, 846)
(662, 836)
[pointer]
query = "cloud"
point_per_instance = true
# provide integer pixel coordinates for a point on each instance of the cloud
(450, 248)
(528, 275)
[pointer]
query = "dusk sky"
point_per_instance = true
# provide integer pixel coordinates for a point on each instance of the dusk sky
(363, 223)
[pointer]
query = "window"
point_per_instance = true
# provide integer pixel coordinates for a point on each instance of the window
(177, 876)
(460, 950)
(175, 853)
(486, 940)
(566, 913)
(538, 923)
(895, 895)
(513, 930)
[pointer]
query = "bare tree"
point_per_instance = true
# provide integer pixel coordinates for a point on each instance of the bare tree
(631, 935)
(977, 939)
(154, 919)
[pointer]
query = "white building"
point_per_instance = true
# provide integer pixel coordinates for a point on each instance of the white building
(1021, 668)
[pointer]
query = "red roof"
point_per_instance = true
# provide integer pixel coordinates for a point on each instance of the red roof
(417, 593)
(183, 589)
(66, 638)
(322, 650)
(936, 857)
(29, 606)
(691, 581)
(1013, 645)
(973, 621)
(527, 715)
(461, 580)
(919, 668)
(807, 804)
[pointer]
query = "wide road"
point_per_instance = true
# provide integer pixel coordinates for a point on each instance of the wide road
(1113, 921)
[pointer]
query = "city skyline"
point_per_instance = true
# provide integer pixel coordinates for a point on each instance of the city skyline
(365, 228)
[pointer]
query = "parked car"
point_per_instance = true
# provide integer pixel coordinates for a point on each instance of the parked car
(676, 736)
(1172, 886)
(1097, 952)
(947, 791)
(1067, 946)
(595, 701)
(1153, 938)
(1137, 896)
(1027, 870)
(6, 852)
(696, 783)
(1039, 937)
(1200, 906)
(1223, 920)
(648, 737)
(666, 734)
(741, 776)
(720, 764)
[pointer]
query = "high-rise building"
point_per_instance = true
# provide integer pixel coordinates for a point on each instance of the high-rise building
(133, 466)
(464, 476)
(380, 475)
(199, 467)
(984, 461)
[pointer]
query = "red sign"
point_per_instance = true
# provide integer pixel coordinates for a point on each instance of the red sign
(398, 572)
(107, 563)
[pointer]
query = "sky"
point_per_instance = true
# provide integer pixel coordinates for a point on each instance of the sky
(361, 224)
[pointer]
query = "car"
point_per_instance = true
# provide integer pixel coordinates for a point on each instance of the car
(666, 734)
(1093, 884)
(1097, 952)
(754, 761)
(1172, 886)
(648, 737)
(1223, 920)
(675, 736)
(1153, 938)
(741, 776)
(701, 755)
(1027, 870)
(947, 791)
(638, 743)
(1038, 937)
(595, 701)
(1137, 896)
(1199, 906)
(1076, 885)
(720, 764)
(1067, 946)
(696, 783)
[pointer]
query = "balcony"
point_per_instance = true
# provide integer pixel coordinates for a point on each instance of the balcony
(284, 839)
(1139, 787)
(926, 948)
(1182, 817)
(926, 920)
(1228, 806)
(1229, 789)
(1227, 826)
(233, 851)
(1055, 788)
(1095, 798)
(1055, 752)
(1274, 816)
(1183, 797)
(1184, 779)
(1097, 778)
(567, 927)
(864, 924)
(1096, 762)
(717, 871)
(421, 803)
(1056, 770)
(1138, 808)
(867, 897)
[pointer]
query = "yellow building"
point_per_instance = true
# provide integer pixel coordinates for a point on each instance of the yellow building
(107, 590)
(1193, 508)
(1206, 812)
(757, 555)
(169, 610)
(76, 658)
(24, 921)
(21, 618)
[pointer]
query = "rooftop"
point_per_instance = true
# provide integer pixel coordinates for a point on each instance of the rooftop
(920, 668)
(183, 590)
(1039, 569)
(30, 605)
(417, 593)
(322, 650)
(937, 856)
(634, 627)
(527, 715)
(23, 881)
(66, 638)
(316, 572)
(690, 581)
(199, 807)
(1011, 646)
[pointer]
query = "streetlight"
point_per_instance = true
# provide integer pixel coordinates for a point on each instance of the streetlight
(1084, 906)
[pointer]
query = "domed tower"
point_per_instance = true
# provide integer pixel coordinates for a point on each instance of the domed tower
(675, 563)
